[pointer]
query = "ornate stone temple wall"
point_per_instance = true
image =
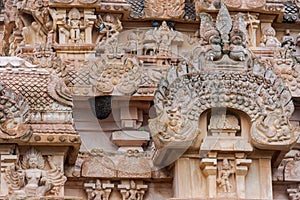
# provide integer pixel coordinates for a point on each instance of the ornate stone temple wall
(149, 99)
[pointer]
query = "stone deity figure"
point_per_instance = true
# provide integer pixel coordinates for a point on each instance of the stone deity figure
(98, 193)
(29, 178)
(269, 38)
(74, 26)
(108, 27)
(132, 193)
(32, 179)
(132, 43)
(223, 176)
(164, 37)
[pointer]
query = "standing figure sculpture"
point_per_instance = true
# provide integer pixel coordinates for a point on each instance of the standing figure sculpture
(223, 176)
(109, 27)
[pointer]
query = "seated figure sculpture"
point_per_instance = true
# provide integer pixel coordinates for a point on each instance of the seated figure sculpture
(29, 178)
(32, 178)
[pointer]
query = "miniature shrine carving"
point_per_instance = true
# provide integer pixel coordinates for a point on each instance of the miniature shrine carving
(221, 123)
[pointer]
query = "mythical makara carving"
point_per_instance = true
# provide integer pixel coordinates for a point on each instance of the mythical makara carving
(223, 44)
(230, 77)
(29, 178)
(14, 114)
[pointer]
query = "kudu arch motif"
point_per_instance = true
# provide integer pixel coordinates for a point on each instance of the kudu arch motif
(228, 76)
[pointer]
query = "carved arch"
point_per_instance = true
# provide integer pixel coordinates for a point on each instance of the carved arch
(264, 97)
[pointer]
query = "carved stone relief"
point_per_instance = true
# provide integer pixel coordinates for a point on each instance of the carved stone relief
(178, 106)
(292, 169)
(132, 190)
(30, 177)
(225, 173)
(164, 9)
(14, 114)
(231, 4)
(100, 166)
(98, 191)
(294, 193)
(224, 42)
(122, 74)
(159, 41)
(269, 38)
(108, 28)
(133, 165)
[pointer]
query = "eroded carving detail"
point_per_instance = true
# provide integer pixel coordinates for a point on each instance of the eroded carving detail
(164, 9)
(132, 190)
(98, 191)
(292, 169)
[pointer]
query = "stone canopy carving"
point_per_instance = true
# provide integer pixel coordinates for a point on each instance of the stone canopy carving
(250, 86)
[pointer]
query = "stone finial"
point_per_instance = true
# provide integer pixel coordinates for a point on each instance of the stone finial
(224, 23)
(207, 28)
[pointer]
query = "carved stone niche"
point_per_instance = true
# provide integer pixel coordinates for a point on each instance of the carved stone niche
(225, 175)
(225, 130)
